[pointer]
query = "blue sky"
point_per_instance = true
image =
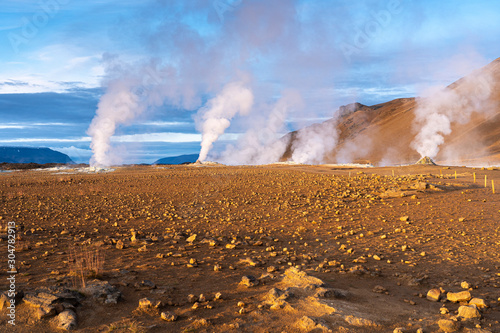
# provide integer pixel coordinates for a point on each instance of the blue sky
(55, 66)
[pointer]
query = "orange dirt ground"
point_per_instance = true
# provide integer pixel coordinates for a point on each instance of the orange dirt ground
(344, 226)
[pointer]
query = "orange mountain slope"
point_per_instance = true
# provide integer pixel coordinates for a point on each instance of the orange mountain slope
(385, 134)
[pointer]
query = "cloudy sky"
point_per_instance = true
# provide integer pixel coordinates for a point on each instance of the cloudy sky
(59, 58)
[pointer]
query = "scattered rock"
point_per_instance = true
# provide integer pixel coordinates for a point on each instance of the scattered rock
(191, 238)
(462, 296)
(379, 289)
(360, 322)
(102, 290)
(469, 311)
(448, 326)
(434, 295)
(145, 284)
(120, 245)
(299, 279)
(192, 298)
(67, 320)
(465, 285)
(146, 303)
(169, 316)
(249, 281)
(309, 324)
(478, 302)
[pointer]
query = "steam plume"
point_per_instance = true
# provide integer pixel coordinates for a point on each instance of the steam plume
(217, 114)
(441, 108)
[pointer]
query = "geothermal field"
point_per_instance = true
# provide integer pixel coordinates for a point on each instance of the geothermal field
(273, 248)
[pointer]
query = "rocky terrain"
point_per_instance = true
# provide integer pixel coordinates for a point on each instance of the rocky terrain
(210, 248)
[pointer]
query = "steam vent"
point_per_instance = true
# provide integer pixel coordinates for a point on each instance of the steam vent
(426, 160)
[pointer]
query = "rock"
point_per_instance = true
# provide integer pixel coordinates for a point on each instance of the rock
(398, 330)
(478, 302)
(120, 245)
(102, 290)
(218, 296)
(145, 284)
(448, 326)
(249, 281)
(45, 311)
(462, 296)
(469, 311)
(358, 270)
(299, 279)
(271, 269)
(360, 322)
(67, 320)
(404, 218)
(331, 293)
(169, 316)
(309, 324)
(146, 303)
(379, 289)
(434, 295)
(465, 285)
(192, 298)
(191, 238)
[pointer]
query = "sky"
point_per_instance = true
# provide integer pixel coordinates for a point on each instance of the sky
(60, 57)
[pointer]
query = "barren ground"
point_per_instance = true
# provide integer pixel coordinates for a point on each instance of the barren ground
(343, 226)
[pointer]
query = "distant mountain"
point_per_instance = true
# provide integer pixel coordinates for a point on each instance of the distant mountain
(32, 155)
(191, 158)
(383, 134)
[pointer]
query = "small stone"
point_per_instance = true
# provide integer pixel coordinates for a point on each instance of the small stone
(379, 289)
(218, 296)
(376, 257)
(142, 248)
(230, 246)
(168, 316)
(67, 320)
(217, 267)
(147, 303)
(120, 245)
(478, 302)
(404, 218)
(191, 238)
(448, 326)
(469, 311)
(241, 304)
(420, 330)
(192, 298)
(195, 306)
(444, 310)
(398, 330)
(462, 296)
(434, 295)
(465, 285)
(249, 281)
(271, 269)
(202, 298)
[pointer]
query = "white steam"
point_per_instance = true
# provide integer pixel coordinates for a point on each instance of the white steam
(216, 116)
(441, 108)
(262, 143)
(313, 143)
(118, 106)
